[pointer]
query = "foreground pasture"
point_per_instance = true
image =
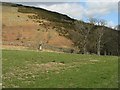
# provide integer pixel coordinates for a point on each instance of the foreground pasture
(30, 69)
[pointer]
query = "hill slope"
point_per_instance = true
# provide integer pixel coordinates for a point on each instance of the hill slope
(30, 26)
(20, 27)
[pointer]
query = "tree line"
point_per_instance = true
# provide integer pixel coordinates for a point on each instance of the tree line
(95, 37)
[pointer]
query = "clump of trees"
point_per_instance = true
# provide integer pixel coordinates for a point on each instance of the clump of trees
(96, 38)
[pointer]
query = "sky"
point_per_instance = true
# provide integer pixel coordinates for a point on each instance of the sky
(82, 10)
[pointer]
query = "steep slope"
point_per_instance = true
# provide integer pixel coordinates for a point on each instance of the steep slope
(28, 26)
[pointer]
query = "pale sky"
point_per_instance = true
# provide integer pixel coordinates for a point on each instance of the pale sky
(82, 10)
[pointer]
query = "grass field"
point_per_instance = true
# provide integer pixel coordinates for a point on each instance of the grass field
(30, 69)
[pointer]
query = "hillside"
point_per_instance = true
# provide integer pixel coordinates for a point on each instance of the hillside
(20, 27)
(29, 26)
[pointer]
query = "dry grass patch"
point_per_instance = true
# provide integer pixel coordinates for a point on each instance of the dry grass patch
(50, 66)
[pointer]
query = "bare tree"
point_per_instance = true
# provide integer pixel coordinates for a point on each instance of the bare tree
(100, 32)
(85, 40)
(84, 31)
(93, 20)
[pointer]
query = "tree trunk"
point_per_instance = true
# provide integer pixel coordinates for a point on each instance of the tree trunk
(84, 49)
(84, 45)
(99, 42)
(98, 51)
(85, 42)
(105, 53)
(98, 46)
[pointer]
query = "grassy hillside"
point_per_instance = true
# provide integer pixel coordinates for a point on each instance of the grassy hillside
(28, 26)
(29, 69)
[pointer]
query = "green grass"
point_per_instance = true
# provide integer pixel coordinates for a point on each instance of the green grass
(30, 69)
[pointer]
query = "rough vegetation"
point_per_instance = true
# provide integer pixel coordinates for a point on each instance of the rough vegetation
(56, 30)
